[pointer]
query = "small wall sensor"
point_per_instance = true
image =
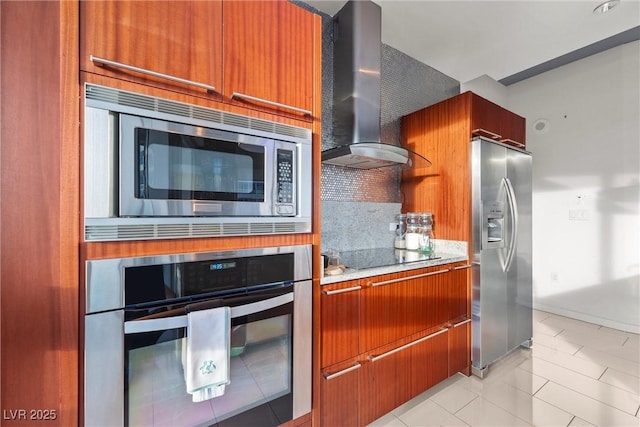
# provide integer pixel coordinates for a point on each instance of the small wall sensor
(541, 126)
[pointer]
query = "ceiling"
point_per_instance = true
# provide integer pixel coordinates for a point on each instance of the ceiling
(505, 40)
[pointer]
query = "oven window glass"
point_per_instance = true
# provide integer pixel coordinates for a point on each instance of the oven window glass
(260, 392)
(178, 166)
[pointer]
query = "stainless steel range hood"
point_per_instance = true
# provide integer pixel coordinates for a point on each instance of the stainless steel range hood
(356, 91)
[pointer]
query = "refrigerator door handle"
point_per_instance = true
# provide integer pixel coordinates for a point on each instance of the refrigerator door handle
(513, 211)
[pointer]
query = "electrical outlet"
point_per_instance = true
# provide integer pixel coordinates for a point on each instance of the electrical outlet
(578, 215)
(554, 277)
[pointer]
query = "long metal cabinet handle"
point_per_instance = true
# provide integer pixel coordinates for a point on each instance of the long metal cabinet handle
(492, 134)
(512, 141)
(513, 207)
(344, 371)
(102, 62)
(462, 267)
(272, 103)
(404, 347)
(341, 291)
(402, 279)
(464, 322)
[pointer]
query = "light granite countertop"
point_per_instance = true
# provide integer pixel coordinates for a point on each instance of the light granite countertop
(352, 274)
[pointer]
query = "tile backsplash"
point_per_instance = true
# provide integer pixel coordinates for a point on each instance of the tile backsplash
(357, 225)
(348, 226)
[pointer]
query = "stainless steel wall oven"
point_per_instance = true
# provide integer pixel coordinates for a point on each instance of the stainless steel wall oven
(138, 332)
(156, 168)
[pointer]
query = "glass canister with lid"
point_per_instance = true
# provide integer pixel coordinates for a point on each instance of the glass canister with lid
(401, 230)
(427, 244)
(412, 237)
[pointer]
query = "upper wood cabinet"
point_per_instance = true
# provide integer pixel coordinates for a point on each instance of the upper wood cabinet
(492, 121)
(268, 55)
(442, 133)
(179, 39)
(254, 54)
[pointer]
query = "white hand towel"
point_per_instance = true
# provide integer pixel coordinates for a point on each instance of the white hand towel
(206, 357)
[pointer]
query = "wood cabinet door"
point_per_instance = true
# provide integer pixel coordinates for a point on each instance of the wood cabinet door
(340, 395)
(399, 374)
(495, 122)
(340, 311)
(429, 362)
(392, 307)
(513, 129)
(460, 348)
(388, 382)
(486, 118)
(268, 54)
(182, 39)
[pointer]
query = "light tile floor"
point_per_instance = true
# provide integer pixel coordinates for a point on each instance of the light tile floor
(576, 374)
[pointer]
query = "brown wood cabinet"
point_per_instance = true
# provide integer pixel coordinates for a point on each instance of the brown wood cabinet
(492, 121)
(385, 339)
(340, 319)
(45, 54)
(268, 48)
(399, 305)
(442, 133)
(39, 214)
(396, 375)
(178, 39)
(254, 54)
(340, 394)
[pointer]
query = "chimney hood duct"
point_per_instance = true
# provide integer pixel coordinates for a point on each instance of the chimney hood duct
(356, 91)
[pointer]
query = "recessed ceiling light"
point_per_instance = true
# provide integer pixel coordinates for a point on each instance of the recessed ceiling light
(606, 6)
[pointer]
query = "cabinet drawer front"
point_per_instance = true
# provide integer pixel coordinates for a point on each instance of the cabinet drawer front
(398, 308)
(340, 396)
(340, 317)
(398, 375)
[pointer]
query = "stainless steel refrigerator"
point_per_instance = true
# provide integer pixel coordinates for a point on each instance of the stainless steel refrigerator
(501, 273)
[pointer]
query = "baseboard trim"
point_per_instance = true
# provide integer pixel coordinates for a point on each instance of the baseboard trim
(635, 329)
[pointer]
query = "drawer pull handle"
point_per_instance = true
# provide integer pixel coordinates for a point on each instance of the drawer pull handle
(462, 267)
(404, 347)
(464, 322)
(402, 279)
(344, 371)
(511, 141)
(493, 135)
(102, 62)
(341, 291)
(274, 104)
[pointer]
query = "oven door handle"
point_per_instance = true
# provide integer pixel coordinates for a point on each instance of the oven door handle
(163, 324)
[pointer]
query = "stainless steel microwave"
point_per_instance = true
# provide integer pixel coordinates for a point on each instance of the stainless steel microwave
(156, 168)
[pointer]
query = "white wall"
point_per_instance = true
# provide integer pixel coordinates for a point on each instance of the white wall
(586, 163)
(487, 88)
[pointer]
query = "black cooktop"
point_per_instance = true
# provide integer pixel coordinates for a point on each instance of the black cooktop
(381, 257)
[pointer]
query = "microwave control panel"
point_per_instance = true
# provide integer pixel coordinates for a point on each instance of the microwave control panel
(285, 181)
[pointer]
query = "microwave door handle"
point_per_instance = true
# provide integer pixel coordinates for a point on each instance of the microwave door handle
(175, 322)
